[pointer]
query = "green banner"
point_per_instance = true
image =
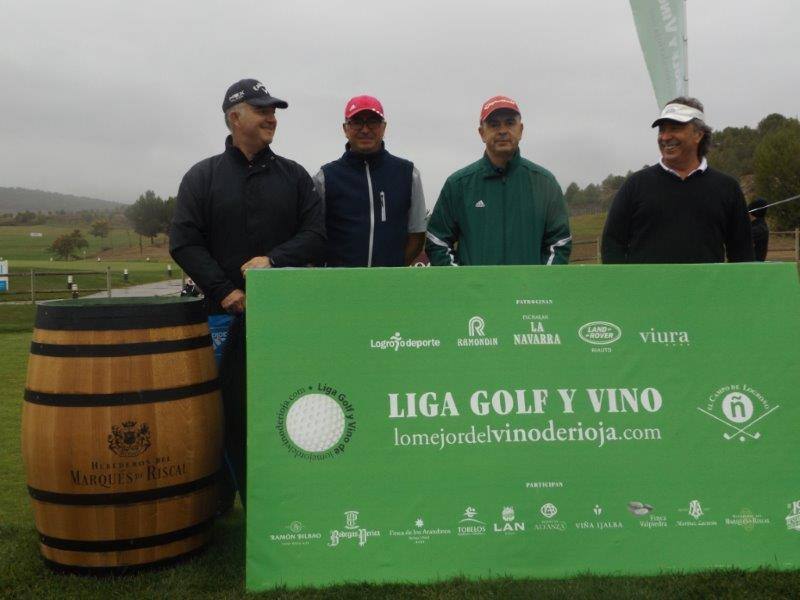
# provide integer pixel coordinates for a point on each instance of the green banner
(661, 25)
(407, 425)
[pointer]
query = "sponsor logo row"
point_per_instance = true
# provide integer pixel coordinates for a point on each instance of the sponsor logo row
(600, 335)
(508, 522)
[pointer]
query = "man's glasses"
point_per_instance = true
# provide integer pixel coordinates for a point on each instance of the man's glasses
(373, 123)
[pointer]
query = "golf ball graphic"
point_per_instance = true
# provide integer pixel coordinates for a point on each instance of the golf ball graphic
(315, 422)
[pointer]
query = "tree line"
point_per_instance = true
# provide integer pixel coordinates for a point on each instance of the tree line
(149, 216)
(765, 160)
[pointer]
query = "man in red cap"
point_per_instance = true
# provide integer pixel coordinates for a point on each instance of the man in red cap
(502, 209)
(374, 206)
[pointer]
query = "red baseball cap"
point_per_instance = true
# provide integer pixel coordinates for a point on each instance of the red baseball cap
(496, 103)
(359, 103)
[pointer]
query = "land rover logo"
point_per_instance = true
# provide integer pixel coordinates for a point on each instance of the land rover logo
(599, 333)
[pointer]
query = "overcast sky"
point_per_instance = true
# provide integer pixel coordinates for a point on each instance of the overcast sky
(108, 99)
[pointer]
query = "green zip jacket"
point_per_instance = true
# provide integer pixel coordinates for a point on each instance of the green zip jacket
(491, 216)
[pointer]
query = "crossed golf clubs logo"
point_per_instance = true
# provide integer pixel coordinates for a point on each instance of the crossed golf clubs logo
(738, 410)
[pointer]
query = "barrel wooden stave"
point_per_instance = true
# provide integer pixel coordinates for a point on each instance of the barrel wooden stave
(118, 374)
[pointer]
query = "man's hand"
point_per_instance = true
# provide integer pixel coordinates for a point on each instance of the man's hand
(233, 303)
(415, 242)
(257, 262)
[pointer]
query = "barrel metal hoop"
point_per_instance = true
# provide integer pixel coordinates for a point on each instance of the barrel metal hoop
(127, 544)
(118, 498)
(66, 317)
(114, 350)
(121, 398)
(61, 567)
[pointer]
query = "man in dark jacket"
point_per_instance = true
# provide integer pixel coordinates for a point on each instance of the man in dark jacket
(679, 210)
(374, 206)
(245, 208)
(759, 228)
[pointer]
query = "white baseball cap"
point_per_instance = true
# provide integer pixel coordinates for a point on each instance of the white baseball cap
(680, 113)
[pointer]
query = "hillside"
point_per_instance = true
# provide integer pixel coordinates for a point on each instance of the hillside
(13, 200)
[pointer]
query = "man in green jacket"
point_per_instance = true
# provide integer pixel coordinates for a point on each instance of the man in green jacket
(502, 209)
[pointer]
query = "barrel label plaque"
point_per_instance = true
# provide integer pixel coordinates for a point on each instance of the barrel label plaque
(113, 474)
(128, 440)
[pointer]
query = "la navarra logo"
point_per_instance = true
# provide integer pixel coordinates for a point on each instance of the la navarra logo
(129, 440)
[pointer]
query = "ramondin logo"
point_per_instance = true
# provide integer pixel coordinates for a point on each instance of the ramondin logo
(739, 408)
(600, 333)
(396, 342)
(316, 422)
(128, 440)
(476, 325)
(475, 328)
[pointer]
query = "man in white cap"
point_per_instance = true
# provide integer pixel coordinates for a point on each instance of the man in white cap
(374, 206)
(679, 210)
(501, 209)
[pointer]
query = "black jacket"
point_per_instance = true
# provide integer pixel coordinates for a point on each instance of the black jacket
(760, 231)
(230, 210)
(656, 217)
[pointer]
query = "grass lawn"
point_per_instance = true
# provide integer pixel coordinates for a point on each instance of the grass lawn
(16, 241)
(219, 571)
(25, 253)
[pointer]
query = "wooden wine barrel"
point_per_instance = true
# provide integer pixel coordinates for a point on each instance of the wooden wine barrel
(121, 430)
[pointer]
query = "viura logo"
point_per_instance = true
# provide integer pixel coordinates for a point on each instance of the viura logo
(665, 338)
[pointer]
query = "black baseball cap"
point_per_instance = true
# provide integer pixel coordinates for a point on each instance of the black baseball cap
(253, 92)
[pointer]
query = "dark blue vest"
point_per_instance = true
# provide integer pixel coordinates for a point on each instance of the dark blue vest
(348, 206)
